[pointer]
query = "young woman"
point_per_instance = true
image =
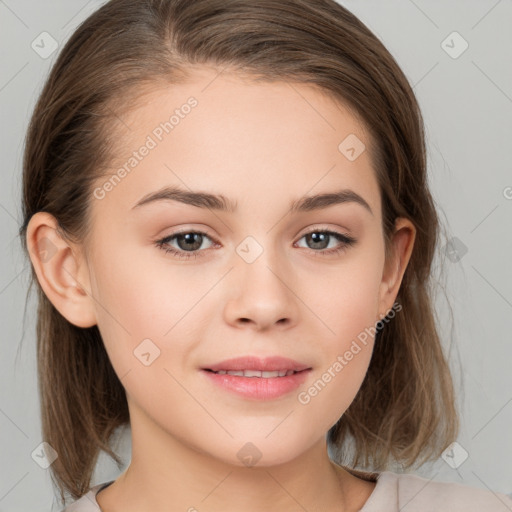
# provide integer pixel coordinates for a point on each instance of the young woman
(228, 218)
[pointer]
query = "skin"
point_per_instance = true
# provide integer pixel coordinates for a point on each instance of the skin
(262, 145)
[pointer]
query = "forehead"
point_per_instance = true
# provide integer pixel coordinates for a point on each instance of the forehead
(245, 139)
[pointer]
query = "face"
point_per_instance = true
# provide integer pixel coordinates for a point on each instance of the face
(179, 287)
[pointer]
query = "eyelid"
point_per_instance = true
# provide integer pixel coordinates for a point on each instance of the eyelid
(345, 240)
(179, 231)
(326, 227)
(203, 231)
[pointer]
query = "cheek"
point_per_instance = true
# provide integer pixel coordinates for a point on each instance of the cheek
(137, 301)
(139, 294)
(346, 357)
(345, 297)
(346, 300)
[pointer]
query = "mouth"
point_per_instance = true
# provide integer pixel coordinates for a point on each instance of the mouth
(253, 366)
(257, 373)
(255, 384)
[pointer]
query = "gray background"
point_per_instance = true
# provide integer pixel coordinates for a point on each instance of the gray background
(467, 104)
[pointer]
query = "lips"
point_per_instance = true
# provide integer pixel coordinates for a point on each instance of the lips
(268, 364)
(267, 386)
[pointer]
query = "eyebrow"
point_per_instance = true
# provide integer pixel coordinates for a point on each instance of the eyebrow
(221, 203)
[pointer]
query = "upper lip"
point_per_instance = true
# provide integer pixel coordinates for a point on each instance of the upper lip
(267, 364)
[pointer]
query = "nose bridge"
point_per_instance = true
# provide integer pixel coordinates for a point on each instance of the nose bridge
(261, 292)
(261, 263)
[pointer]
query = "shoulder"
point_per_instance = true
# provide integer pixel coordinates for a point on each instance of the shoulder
(421, 494)
(87, 503)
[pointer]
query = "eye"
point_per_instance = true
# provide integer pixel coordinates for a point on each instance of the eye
(320, 239)
(187, 241)
(190, 242)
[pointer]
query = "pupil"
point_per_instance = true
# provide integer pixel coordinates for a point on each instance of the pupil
(190, 238)
(319, 240)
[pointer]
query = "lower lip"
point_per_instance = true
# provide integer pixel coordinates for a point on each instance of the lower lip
(258, 388)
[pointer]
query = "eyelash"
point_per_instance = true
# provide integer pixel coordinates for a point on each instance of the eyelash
(346, 240)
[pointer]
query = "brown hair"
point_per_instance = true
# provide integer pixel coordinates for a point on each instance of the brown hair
(405, 410)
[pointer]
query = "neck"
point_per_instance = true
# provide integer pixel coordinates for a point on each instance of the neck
(180, 477)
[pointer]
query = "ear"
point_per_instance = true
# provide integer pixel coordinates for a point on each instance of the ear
(61, 270)
(402, 244)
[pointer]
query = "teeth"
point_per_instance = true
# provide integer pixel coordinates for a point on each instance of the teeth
(257, 373)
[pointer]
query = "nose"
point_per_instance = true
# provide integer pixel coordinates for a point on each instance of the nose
(262, 293)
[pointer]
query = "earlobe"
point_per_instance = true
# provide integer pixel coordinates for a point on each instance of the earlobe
(401, 247)
(61, 272)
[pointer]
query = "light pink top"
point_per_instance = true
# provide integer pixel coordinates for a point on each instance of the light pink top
(393, 493)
